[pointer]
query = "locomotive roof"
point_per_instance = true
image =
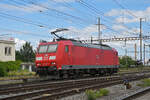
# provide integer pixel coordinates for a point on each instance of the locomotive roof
(98, 46)
(79, 43)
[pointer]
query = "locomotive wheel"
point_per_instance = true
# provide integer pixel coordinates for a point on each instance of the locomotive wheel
(60, 74)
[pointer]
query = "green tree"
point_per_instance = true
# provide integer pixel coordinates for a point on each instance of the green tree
(26, 53)
(18, 55)
(126, 61)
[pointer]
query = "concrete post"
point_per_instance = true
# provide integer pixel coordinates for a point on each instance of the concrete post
(23, 67)
(30, 68)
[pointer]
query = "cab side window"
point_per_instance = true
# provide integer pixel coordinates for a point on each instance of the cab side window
(66, 48)
(116, 53)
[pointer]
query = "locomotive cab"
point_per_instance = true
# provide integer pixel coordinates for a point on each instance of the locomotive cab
(46, 57)
(51, 56)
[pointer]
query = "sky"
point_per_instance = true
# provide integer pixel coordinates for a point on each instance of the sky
(33, 20)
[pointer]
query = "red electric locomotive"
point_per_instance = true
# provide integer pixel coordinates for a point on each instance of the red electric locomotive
(69, 57)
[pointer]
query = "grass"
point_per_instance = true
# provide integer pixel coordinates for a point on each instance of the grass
(16, 75)
(93, 95)
(20, 73)
(145, 83)
(137, 69)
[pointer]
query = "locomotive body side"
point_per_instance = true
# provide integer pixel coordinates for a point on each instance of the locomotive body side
(85, 57)
(89, 57)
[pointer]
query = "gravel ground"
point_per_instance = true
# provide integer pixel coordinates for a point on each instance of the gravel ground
(116, 92)
(5, 82)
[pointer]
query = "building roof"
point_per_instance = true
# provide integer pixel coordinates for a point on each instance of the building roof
(7, 40)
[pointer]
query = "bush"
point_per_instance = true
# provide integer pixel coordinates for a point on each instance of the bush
(92, 95)
(126, 61)
(13, 65)
(9, 66)
(145, 83)
(104, 92)
(2, 71)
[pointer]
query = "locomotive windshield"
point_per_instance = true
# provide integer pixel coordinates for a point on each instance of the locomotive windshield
(43, 48)
(48, 48)
(52, 48)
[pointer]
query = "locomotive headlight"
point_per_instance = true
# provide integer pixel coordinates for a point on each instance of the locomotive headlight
(53, 63)
(52, 57)
(38, 58)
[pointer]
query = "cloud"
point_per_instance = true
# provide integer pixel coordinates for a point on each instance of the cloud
(126, 20)
(126, 30)
(19, 43)
(81, 34)
(128, 16)
(85, 33)
(114, 12)
(119, 27)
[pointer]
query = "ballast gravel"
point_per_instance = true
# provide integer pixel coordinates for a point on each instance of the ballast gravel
(116, 92)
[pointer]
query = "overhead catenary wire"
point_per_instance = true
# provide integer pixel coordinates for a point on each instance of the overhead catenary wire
(85, 22)
(55, 10)
(96, 12)
(67, 5)
(104, 18)
(22, 32)
(46, 8)
(26, 3)
(129, 12)
(20, 19)
(125, 8)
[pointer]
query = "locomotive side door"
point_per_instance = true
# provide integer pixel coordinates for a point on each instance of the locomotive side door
(68, 54)
(101, 56)
(115, 58)
(97, 57)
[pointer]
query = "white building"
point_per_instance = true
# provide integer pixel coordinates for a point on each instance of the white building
(7, 49)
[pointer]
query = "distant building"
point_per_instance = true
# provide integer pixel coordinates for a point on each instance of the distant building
(7, 49)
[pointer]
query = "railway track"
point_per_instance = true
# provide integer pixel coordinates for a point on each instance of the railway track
(46, 85)
(43, 80)
(53, 90)
(137, 94)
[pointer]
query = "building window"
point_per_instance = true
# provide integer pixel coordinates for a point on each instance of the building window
(7, 51)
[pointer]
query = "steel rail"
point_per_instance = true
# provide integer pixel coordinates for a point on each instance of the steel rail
(73, 86)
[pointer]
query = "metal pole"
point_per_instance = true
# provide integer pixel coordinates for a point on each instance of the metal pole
(91, 39)
(141, 39)
(99, 31)
(126, 50)
(144, 54)
(125, 47)
(135, 52)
